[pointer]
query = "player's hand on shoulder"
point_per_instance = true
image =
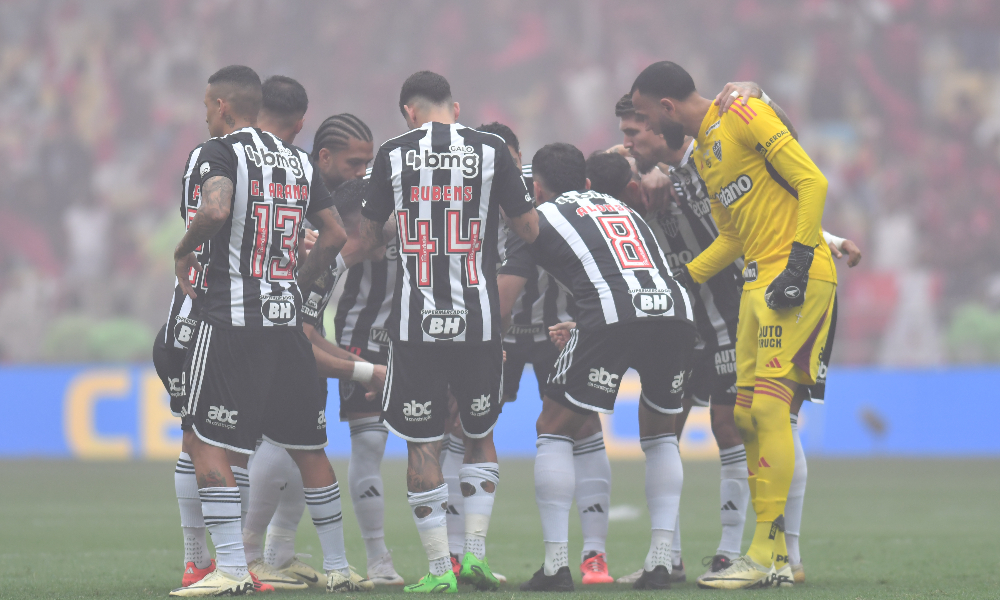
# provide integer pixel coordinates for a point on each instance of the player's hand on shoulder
(559, 333)
(744, 90)
(182, 269)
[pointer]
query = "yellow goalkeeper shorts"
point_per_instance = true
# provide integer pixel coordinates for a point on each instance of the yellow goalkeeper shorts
(783, 343)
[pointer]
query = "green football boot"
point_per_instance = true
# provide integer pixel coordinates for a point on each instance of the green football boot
(477, 573)
(434, 584)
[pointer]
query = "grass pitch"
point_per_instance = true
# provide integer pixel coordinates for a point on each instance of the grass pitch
(872, 529)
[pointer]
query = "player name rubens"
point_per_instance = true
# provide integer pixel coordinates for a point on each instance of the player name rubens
(459, 157)
(282, 159)
(441, 193)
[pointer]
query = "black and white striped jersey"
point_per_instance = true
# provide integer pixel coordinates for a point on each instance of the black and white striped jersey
(683, 231)
(318, 295)
(253, 260)
(182, 319)
(542, 303)
(364, 306)
(606, 256)
(446, 185)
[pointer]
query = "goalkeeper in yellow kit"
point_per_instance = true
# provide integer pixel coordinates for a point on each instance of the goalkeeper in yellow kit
(767, 200)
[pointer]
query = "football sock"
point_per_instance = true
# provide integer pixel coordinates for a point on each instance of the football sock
(364, 479)
(192, 521)
(280, 546)
(664, 480)
(555, 481)
(429, 515)
(324, 508)
(675, 543)
(268, 472)
(479, 483)
(221, 507)
(242, 477)
(593, 491)
(452, 455)
(796, 496)
(744, 422)
(775, 467)
(734, 494)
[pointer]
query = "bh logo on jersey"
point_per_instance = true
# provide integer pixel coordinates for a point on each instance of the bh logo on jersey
(278, 309)
(652, 302)
(443, 324)
(458, 157)
(220, 417)
(480, 406)
(677, 385)
(603, 380)
(415, 411)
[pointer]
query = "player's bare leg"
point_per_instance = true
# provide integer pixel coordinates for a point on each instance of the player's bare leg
(452, 457)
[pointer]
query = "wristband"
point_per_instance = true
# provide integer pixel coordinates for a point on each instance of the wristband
(764, 98)
(838, 242)
(363, 372)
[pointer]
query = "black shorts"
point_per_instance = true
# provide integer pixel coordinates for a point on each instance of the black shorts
(352, 393)
(542, 357)
(247, 383)
(713, 377)
(589, 370)
(415, 402)
(168, 360)
(817, 391)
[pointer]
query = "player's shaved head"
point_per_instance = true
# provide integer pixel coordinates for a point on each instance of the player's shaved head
(609, 173)
(284, 99)
(560, 168)
(239, 86)
(664, 79)
(424, 86)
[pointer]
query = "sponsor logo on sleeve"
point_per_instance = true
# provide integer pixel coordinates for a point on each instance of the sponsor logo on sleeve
(443, 324)
(204, 168)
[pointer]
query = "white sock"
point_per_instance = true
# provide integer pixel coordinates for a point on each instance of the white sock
(432, 526)
(192, 521)
(555, 481)
(269, 472)
(593, 491)
(796, 496)
(664, 480)
(734, 494)
(364, 479)
(475, 479)
(675, 543)
(221, 507)
(452, 455)
(279, 549)
(324, 508)
(242, 477)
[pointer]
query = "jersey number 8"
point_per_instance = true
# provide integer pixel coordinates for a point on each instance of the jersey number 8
(622, 236)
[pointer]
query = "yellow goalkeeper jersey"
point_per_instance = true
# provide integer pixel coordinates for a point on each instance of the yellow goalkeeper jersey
(765, 193)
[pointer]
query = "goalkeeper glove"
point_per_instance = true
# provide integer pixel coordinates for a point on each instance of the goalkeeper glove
(683, 277)
(789, 288)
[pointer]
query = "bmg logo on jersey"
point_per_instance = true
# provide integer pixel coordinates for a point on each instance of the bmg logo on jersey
(278, 309)
(459, 157)
(282, 159)
(416, 411)
(443, 324)
(652, 301)
(603, 380)
(220, 417)
(480, 406)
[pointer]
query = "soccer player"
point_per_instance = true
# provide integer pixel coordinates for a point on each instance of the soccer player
(543, 304)
(445, 183)
(252, 372)
(767, 199)
(631, 313)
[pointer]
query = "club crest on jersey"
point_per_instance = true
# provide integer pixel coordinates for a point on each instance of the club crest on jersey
(458, 157)
(184, 330)
(443, 324)
(750, 271)
(669, 224)
(652, 301)
(347, 388)
(278, 309)
(379, 335)
(717, 150)
(281, 159)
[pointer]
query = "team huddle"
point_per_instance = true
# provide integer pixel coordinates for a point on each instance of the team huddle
(692, 253)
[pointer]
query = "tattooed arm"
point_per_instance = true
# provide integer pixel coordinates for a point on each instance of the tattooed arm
(216, 204)
(525, 225)
(332, 238)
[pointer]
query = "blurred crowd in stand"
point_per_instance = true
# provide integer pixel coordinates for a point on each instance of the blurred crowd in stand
(101, 100)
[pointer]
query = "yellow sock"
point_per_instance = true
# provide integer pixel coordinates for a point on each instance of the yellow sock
(774, 469)
(744, 423)
(780, 550)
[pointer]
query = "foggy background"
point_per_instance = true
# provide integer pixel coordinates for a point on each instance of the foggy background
(101, 101)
